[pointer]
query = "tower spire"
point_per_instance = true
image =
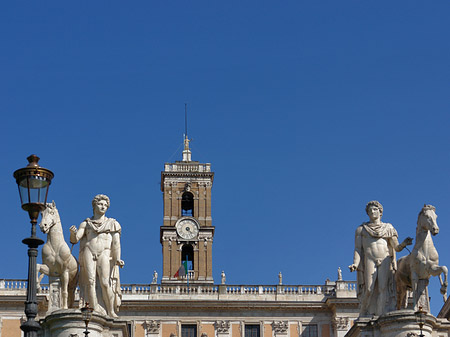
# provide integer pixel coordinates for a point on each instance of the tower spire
(186, 151)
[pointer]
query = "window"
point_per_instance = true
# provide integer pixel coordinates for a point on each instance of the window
(310, 330)
(252, 330)
(130, 329)
(187, 204)
(188, 330)
(187, 254)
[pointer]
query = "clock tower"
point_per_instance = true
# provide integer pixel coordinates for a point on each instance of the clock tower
(187, 233)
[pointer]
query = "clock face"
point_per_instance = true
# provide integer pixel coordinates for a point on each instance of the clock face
(187, 228)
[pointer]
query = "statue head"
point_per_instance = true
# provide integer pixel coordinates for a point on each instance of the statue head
(100, 197)
(376, 204)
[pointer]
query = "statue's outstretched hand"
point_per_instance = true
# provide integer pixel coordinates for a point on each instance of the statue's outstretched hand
(352, 267)
(120, 263)
(408, 241)
(73, 234)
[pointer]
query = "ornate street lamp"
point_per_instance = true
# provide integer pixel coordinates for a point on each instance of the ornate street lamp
(33, 182)
(86, 311)
(420, 319)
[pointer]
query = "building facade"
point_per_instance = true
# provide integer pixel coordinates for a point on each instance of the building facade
(201, 307)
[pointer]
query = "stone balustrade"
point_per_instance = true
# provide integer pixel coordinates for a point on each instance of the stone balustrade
(191, 167)
(19, 287)
(212, 292)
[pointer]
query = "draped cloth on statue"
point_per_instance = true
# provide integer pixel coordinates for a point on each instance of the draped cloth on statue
(108, 225)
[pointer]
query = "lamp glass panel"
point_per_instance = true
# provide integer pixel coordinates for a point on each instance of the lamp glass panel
(33, 189)
(87, 314)
(23, 192)
(420, 317)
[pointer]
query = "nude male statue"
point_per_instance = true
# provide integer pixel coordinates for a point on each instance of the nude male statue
(374, 258)
(99, 258)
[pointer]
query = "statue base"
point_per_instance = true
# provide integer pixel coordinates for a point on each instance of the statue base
(400, 323)
(65, 323)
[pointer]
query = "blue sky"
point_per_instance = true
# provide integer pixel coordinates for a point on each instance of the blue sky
(306, 111)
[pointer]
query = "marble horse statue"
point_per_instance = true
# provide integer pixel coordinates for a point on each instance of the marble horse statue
(57, 258)
(415, 269)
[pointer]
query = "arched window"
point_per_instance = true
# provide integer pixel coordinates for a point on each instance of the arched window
(187, 254)
(187, 204)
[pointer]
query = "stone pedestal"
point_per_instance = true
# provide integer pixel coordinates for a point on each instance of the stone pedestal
(54, 301)
(64, 323)
(400, 323)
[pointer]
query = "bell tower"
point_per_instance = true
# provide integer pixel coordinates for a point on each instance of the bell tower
(187, 233)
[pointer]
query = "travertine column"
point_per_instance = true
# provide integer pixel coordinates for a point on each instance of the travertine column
(208, 244)
(176, 202)
(167, 204)
(176, 257)
(196, 261)
(202, 260)
(208, 205)
(166, 259)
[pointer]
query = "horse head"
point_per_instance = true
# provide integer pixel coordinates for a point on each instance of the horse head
(427, 219)
(50, 217)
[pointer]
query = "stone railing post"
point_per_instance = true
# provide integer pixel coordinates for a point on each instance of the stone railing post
(344, 289)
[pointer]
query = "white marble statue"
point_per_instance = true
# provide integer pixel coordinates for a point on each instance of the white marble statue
(155, 277)
(339, 274)
(58, 262)
(415, 269)
(99, 258)
(223, 277)
(280, 278)
(374, 258)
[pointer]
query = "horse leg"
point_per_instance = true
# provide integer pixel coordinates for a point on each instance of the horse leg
(437, 270)
(64, 284)
(401, 281)
(401, 291)
(444, 284)
(443, 288)
(44, 270)
(414, 283)
(401, 294)
(73, 280)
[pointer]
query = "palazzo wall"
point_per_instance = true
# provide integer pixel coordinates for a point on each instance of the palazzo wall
(155, 310)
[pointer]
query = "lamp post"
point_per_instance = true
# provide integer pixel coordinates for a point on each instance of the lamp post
(33, 182)
(86, 311)
(420, 319)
